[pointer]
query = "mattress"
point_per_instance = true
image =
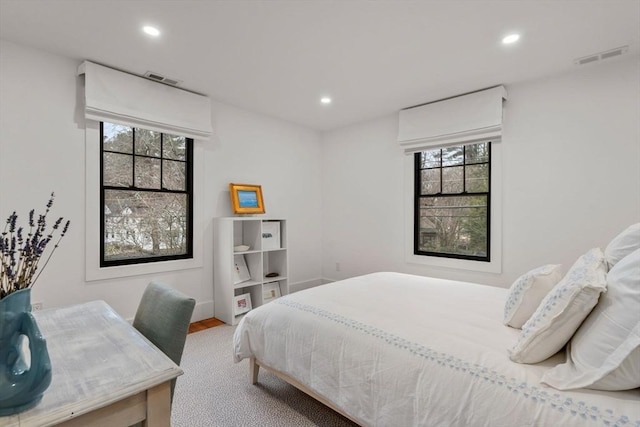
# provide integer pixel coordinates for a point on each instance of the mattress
(393, 349)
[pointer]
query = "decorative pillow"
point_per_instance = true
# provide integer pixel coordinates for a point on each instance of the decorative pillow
(605, 352)
(527, 291)
(562, 310)
(623, 244)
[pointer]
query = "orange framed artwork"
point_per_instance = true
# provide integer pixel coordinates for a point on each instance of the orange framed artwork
(246, 199)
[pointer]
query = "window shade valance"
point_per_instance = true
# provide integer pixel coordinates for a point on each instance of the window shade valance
(123, 98)
(463, 119)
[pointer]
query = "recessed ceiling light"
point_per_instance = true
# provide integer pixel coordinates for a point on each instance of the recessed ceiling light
(511, 38)
(152, 31)
(325, 100)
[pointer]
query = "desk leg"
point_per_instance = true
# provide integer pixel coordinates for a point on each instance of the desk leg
(159, 406)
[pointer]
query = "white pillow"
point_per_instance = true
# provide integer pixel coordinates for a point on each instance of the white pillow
(527, 292)
(562, 311)
(623, 244)
(605, 352)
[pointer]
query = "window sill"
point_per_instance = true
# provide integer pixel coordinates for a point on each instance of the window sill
(456, 264)
(102, 273)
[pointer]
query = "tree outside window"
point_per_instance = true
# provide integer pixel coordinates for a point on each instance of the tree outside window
(147, 197)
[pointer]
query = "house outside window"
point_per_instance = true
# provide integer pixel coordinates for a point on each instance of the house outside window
(146, 196)
(452, 202)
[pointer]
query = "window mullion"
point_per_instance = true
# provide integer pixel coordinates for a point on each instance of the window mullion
(133, 159)
(464, 169)
(161, 161)
(441, 175)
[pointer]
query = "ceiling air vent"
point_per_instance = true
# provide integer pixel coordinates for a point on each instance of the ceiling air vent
(162, 79)
(171, 82)
(601, 56)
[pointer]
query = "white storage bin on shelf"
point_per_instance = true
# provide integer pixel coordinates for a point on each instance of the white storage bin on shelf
(249, 257)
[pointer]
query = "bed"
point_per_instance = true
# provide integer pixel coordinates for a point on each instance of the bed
(392, 349)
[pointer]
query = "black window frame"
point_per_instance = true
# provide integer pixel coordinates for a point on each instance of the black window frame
(188, 191)
(418, 196)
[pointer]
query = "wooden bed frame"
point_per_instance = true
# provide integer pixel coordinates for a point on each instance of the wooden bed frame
(254, 369)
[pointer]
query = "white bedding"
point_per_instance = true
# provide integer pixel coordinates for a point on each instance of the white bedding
(392, 349)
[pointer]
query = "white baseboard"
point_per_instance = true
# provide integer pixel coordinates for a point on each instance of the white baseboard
(305, 285)
(309, 284)
(202, 310)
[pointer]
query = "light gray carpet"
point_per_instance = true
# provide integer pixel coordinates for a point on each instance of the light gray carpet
(214, 391)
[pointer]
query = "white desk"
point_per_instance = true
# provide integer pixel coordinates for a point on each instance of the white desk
(105, 373)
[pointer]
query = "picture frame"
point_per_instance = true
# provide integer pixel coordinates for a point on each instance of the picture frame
(241, 271)
(241, 304)
(270, 291)
(246, 198)
(270, 235)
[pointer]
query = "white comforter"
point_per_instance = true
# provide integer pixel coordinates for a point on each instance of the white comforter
(397, 350)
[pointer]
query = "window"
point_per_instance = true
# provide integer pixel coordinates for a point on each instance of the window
(452, 202)
(146, 196)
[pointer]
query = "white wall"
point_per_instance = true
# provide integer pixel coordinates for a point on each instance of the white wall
(571, 154)
(571, 178)
(42, 150)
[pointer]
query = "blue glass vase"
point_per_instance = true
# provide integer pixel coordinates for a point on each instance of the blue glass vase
(23, 377)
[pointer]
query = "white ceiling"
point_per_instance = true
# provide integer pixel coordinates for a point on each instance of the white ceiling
(372, 57)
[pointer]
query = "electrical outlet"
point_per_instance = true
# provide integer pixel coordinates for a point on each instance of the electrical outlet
(36, 306)
(337, 266)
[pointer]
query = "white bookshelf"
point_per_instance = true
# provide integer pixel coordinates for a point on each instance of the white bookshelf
(261, 259)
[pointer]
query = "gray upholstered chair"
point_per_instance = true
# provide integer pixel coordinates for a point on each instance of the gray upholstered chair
(163, 316)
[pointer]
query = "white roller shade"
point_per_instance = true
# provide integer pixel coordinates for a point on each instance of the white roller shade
(463, 119)
(123, 98)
